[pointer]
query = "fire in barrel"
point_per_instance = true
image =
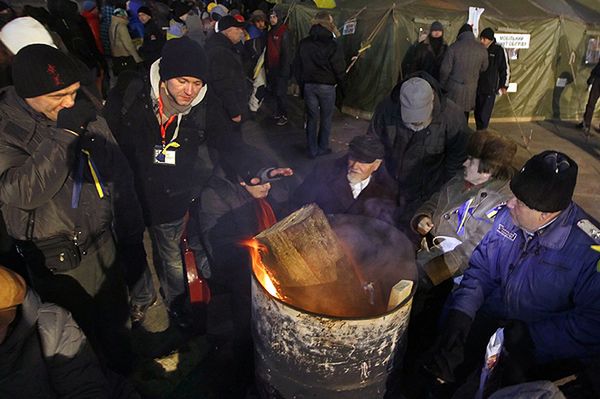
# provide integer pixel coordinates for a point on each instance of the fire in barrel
(330, 303)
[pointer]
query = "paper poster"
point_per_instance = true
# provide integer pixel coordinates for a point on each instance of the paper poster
(512, 88)
(349, 27)
(561, 82)
(513, 40)
(474, 16)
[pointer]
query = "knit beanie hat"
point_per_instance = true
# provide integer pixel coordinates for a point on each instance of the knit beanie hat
(245, 162)
(12, 289)
(465, 28)
(183, 57)
(39, 69)
(366, 148)
(180, 9)
(21, 32)
(145, 10)
(437, 25)
(546, 182)
(88, 5)
(487, 33)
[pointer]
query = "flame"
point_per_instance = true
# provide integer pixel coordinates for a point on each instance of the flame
(259, 268)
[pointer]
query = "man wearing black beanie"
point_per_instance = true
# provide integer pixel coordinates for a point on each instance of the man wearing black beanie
(62, 178)
(493, 81)
(535, 274)
(159, 121)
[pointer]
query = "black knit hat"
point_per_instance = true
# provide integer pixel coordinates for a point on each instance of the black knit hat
(180, 9)
(366, 149)
(39, 69)
(546, 182)
(145, 10)
(465, 28)
(183, 57)
(243, 162)
(487, 33)
(437, 26)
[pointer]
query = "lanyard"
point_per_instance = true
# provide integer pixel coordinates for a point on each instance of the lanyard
(79, 178)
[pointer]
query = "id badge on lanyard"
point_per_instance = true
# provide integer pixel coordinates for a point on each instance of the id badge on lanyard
(165, 154)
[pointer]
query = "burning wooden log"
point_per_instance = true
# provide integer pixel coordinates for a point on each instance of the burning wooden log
(302, 249)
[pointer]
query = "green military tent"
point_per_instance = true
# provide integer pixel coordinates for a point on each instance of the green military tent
(550, 74)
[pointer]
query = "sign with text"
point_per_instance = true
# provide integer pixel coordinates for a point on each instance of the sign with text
(513, 40)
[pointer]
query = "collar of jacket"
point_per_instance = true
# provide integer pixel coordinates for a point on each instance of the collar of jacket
(465, 36)
(21, 113)
(155, 84)
(557, 233)
(220, 40)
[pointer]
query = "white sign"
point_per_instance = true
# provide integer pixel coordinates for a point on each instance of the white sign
(513, 40)
(512, 88)
(474, 15)
(349, 27)
(561, 82)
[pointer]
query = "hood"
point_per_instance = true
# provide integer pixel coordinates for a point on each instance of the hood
(465, 36)
(320, 33)
(438, 99)
(118, 20)
(23, 325)
(155, 83)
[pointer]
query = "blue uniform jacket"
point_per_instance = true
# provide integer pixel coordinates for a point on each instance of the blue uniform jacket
(548, 280)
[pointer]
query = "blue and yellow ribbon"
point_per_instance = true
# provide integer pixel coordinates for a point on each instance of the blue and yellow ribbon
(100, 189)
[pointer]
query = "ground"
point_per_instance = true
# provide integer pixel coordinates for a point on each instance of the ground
(175, 365)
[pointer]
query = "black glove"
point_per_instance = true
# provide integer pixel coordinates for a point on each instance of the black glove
(77, 117)
(519, 355)
(448, 351)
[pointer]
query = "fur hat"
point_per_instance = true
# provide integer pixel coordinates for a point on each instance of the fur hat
(39, 69)
(495, 153)
(546, 182)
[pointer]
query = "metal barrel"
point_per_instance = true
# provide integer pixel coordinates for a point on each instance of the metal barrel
(299, 354)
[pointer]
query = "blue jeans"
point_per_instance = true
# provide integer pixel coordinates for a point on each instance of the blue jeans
(320, 102)
(166, 239)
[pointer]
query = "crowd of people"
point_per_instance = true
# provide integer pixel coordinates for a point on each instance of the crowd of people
(117, 119)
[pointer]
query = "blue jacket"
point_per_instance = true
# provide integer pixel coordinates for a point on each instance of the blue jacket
(549, 280)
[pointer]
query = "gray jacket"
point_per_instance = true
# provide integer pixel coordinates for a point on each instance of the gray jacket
(464, 61)
(443, 209)
(46, 355)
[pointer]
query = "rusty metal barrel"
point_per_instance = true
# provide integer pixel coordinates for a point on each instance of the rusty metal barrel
(301, 354)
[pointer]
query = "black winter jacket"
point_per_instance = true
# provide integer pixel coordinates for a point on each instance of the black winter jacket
(154, 40)
(497, 74)
(319, 59)
(165, 191)
(47, 356)
(424, 58)
(328, 187)
(228, 92)
(421, 161)
(38, 164)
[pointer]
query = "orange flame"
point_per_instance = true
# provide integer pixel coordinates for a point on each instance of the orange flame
(259, 268)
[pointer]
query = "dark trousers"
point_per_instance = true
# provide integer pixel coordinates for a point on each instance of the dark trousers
(320, 104)
(278, 86)
(484, 105)
(591, 104)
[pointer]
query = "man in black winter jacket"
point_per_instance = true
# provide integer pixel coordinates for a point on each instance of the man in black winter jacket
(159, 122)
(62, 178)
(428, 55)
(492, 81)
(227, 91)
(594, 81)
(319, 66)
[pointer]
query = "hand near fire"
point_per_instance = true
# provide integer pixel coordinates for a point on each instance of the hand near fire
(425, 225)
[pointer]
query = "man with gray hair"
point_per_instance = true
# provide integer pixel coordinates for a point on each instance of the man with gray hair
(424, 135)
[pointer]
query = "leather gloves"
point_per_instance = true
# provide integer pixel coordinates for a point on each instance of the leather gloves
(77, 117)
(448, 351)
